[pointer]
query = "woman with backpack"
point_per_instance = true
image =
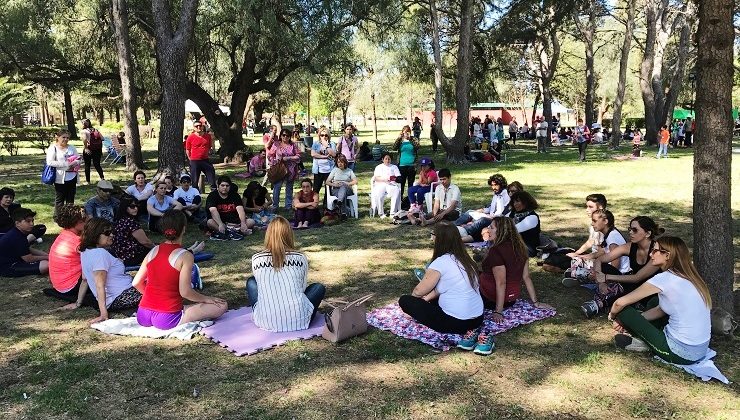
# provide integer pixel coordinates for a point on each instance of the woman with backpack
(93, 141)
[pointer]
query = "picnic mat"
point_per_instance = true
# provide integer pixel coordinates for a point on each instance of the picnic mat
(129, 326)
(392, 318)
(236, 332)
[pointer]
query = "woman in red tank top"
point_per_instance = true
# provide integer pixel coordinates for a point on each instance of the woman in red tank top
(164, 281)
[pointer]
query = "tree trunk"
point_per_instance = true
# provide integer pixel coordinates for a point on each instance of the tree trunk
(536, 102)
(69, 113)
(713, 249)
(679, 71)
(588, 39)
(308, 109)
(622, 82)
(172, 50)
(375, 117)
(134, 159)
(100, 113)
(434, 17)
(646, 70)
(456, 146)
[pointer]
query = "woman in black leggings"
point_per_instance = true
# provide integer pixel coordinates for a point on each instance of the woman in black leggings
(93, 142)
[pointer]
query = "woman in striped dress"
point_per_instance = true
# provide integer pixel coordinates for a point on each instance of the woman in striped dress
(279, 292)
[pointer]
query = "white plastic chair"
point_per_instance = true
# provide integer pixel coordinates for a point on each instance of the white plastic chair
(429, 197)
(112, 152)
(373, 210)
(352, 199)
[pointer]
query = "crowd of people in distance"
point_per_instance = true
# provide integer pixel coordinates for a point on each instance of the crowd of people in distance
(646, 284)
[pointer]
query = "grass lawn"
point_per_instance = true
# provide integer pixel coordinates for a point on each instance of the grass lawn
(55, 366)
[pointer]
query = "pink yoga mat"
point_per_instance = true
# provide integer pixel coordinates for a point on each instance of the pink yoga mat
(236, 332)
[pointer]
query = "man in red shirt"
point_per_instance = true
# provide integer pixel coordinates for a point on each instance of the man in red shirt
(197, 146)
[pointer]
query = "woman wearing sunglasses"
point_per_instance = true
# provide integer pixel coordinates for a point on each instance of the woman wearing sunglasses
(105, 274)
(642, 234)
(130, 242)
(676, 326)
(287, 152)
(323, 153)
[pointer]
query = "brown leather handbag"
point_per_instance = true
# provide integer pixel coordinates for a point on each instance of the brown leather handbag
(277, 172)
(345, 320)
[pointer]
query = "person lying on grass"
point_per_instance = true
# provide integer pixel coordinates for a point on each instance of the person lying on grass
(279, 291)
(105, 274)
(164, 280)
(447, 298)
(677, 324)
(17, 258)
(612, 282)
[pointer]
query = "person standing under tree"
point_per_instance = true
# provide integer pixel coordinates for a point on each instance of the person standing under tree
(513, 128)
(93, 141)
(541, 135)
(197, 146)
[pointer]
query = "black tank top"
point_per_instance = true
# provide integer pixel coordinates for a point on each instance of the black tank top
(635, 266)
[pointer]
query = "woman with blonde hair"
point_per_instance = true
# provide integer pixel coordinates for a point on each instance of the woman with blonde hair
(676, 326)
(278, 289)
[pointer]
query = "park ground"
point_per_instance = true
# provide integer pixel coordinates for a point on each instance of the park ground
(54, 366)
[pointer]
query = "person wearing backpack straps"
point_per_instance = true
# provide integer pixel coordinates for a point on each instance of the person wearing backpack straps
(164, 280)
(93, 141)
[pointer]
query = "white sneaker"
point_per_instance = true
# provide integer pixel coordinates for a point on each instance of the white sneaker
(383, 216)
(629, 343)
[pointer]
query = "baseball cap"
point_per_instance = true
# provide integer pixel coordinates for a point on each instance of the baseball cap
(105, 184)
(425, 161)
(185, 177)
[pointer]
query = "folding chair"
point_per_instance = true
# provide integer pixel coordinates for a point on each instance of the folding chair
(352, 200)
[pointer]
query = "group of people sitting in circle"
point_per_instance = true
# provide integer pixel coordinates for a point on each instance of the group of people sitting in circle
(648, 286)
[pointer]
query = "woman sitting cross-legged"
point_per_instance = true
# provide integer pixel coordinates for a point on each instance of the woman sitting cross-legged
(505, 268)
(676, 326)
(164, 281)
(278, 292)
(65, 270)
(613, 283)
(105, 274)
(130, 242)
(306, 205)
(159, 203)
(447, 298)
(258, 204)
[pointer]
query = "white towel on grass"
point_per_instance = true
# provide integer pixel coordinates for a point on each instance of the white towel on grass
(704, 368)
(129, 326)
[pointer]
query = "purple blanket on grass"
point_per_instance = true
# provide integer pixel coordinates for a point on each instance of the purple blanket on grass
(392, 318)
(236, 332)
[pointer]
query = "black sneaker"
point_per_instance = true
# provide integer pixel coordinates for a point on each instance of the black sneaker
(590, 308)
(629, 343)
(571, 282)
(218, 236)
(234, 235)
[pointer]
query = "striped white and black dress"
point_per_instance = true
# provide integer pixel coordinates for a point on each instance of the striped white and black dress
(281, 304)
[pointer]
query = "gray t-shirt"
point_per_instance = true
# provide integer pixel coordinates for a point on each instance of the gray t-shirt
(102, 209)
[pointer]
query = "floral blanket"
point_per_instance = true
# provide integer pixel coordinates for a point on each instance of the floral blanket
(392, 318)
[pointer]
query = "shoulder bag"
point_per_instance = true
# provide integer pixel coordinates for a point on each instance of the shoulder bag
(49, 173)
(277, 172)
(345, 320)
